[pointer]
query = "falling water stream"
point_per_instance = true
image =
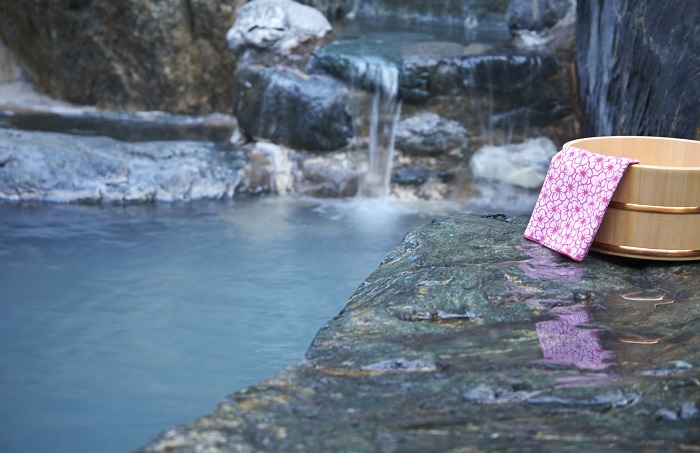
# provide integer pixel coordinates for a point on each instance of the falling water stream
(384, 114)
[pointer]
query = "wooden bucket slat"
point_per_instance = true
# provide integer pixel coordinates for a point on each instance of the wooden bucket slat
(655, 211)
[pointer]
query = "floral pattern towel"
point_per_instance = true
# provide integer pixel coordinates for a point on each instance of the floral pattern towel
(573, 200)
(562, 341)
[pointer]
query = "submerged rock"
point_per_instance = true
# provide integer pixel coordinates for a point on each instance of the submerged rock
(439, 348)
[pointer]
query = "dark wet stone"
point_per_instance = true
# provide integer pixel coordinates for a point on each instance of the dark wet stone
(129, 127)
(493, 90)
(506, 72)
(306, 112)
(411, 176)
(538, 113)
(468, 334)
(427, 68)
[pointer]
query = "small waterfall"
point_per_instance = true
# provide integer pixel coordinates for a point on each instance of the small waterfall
(384, 113)
(370, 65)
(373, 75)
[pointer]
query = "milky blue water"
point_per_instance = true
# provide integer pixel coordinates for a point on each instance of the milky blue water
(119, 322)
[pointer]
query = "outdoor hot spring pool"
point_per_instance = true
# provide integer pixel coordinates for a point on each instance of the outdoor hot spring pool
(119, 322)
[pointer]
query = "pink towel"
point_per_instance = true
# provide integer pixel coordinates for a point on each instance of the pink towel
(573, 200)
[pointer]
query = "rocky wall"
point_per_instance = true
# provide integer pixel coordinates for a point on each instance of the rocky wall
(133, 54)
(639, 67)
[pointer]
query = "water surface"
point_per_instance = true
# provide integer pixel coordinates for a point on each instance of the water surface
(118, 322)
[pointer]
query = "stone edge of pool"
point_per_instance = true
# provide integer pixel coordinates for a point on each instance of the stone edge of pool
(440, 349)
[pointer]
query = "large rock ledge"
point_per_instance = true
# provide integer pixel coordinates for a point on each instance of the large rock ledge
(470, 338)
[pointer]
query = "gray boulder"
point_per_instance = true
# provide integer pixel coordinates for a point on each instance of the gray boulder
(428, 134)
(521, 165)
(277, 25)
(328, 178)
(41, 166)
(305, 112)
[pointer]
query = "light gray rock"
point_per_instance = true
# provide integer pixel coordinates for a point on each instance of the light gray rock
(332, 177)
(268, 169)
(277, 25)
(522, 165)
(40, 166)
(430, 134)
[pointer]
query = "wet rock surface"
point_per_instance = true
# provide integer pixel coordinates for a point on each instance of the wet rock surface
(469, 336)
(496, 91)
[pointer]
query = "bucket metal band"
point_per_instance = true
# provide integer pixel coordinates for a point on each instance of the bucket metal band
(623, 206)
(641, 251)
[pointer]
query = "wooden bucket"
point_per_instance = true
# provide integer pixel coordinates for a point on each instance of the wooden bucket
(655, 210)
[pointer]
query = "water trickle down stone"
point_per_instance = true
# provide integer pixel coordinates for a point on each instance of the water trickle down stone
(375, 69)
(503, 74)
(384, 115)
